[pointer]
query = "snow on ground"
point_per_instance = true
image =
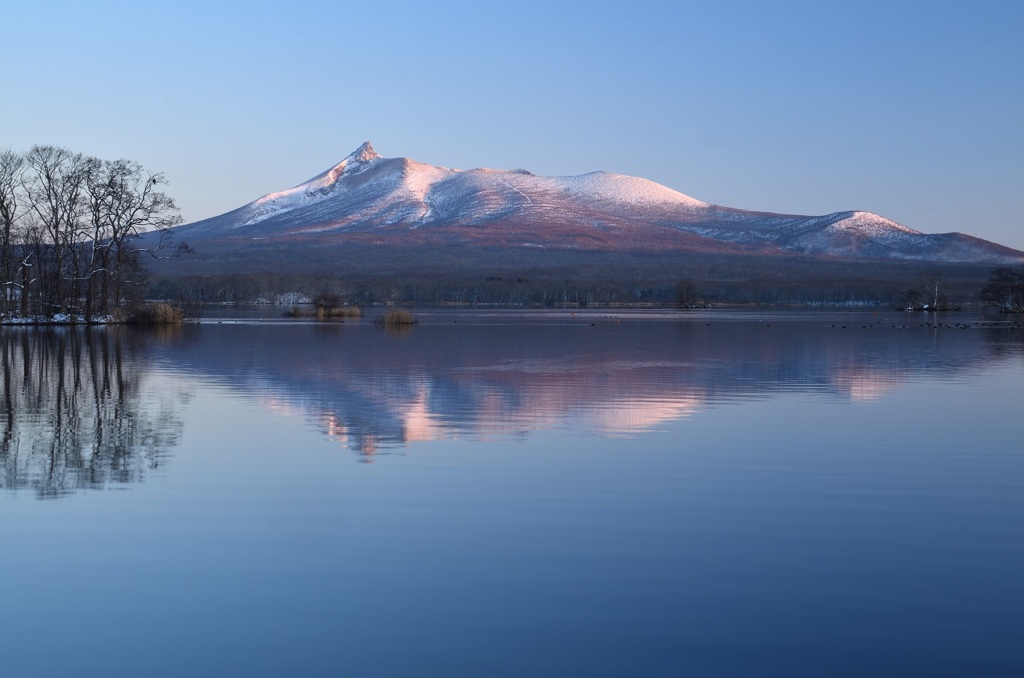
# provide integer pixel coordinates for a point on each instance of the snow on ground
(58, 319)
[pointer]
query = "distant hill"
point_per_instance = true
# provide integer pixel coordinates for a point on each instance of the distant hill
(370, 215)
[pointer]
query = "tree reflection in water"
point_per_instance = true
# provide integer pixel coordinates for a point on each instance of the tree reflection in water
(78, 412)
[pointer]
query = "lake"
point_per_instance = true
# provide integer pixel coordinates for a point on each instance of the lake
(511, 493)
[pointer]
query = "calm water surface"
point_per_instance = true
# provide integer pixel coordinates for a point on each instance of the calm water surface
(515, 494)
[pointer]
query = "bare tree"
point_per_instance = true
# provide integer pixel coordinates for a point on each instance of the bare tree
(130, 204)
(11, 168)
(54, 189)
(930, 296)
(1005, 289)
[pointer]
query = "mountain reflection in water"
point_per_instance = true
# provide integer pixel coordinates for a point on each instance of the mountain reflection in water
(78, 411)
(89, 408)
(465, 376)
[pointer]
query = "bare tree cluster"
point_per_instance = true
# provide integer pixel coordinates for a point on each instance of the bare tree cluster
(1005, 289)
(68, 230)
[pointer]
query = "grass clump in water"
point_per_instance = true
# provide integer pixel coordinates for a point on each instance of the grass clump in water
(338, 312)
(398, 316)
(159, 313)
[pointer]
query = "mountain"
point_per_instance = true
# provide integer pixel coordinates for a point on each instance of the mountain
(368, 200)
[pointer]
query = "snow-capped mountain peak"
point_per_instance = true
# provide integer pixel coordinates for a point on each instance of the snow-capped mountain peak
(355, 162)
(314, 190)
(400, 200)
(360, 158)
(871, 223)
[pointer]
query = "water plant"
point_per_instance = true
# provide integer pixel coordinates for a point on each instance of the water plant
(398, 316)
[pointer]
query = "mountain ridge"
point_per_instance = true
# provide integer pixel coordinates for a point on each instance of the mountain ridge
(372, 199)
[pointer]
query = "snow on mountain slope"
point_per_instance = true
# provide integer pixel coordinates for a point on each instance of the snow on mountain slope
(840, 233)
(368, 194)
(624, 190)
(366, 190)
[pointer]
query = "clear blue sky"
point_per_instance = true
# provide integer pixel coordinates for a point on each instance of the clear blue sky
(913, 110)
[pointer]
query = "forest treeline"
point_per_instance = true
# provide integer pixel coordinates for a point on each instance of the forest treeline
(946, 289)
(68, 227)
